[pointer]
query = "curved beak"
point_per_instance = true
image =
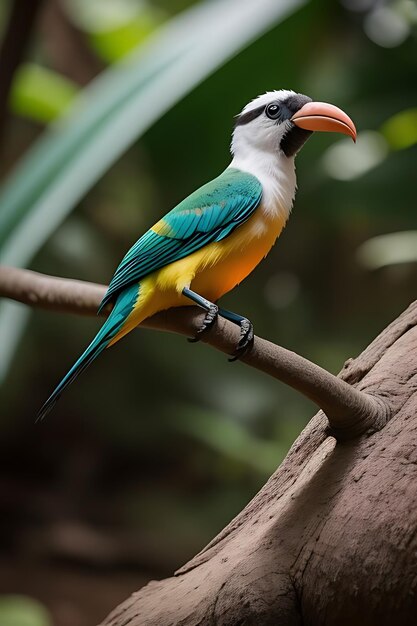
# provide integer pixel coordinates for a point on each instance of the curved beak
(324, 117)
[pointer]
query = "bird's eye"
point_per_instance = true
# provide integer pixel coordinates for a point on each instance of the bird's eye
(273, 111)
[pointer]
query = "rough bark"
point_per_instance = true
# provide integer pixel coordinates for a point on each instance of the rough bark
(331, 539)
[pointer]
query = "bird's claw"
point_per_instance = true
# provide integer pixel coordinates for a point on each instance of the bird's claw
(209, 319)
(246, 329)
(246, 339)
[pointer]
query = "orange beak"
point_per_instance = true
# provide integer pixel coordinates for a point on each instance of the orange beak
(324, 117)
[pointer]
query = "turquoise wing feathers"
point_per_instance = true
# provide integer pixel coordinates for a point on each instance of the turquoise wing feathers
(208, 215)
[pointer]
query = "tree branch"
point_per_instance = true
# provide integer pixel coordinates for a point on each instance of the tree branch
(329, 539)
(350, 412)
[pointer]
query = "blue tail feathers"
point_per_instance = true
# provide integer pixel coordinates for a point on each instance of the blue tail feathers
(123, 307)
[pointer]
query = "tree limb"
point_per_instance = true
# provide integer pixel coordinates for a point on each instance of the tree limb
(350, 412)
(330, 539)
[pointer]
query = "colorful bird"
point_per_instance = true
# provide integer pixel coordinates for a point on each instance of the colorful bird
(214, 238)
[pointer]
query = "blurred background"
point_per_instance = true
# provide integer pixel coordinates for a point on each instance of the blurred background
(112, 111)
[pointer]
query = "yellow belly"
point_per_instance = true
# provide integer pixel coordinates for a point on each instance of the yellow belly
(219, 267)
(211, 272)
(236, 260)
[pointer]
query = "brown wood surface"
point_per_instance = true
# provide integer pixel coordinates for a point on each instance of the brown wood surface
(331, 539)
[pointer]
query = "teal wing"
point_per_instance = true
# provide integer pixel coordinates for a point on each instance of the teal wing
(209, 214)
(112, 325)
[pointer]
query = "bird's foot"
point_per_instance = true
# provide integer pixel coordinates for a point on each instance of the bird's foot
(212, 312)
(246, 339)
(209, 319)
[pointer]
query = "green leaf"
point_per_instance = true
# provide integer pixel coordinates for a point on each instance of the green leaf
(115, 44)
(400, 131)
(115, 27)
(22, 611)
(40, 94)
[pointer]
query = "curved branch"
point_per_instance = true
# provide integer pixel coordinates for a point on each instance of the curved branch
(350, 412)
(49, 292)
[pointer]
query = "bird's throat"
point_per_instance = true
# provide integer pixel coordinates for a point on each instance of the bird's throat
(293, 140)
(276, 174)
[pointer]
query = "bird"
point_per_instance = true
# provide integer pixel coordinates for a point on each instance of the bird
(212, 240)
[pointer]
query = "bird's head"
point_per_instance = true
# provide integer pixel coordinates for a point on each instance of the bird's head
(282, 121)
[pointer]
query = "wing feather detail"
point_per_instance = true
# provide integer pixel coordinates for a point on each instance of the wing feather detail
(208, 215)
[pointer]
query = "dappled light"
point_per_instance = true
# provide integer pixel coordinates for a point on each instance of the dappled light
(386, 27)
(346, 162)
(400, 130)
(388, 250)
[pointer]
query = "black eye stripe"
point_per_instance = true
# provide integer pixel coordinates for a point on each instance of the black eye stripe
(245, 118)
(286, 109)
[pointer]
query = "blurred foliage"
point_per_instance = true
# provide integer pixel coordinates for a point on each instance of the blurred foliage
(229, 438)
(401, 129)
(388, 250)
(41, 94)
(117, 109)
(161, 443)
(115, 28)
(22, 611)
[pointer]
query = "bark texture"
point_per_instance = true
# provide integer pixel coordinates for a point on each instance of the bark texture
(331, 539)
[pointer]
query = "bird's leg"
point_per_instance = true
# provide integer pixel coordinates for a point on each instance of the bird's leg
(212, 311)
(246, 332)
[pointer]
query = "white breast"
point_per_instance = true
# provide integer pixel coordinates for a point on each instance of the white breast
(276, 174)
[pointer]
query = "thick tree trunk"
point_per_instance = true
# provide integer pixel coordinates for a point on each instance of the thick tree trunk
(331, 539)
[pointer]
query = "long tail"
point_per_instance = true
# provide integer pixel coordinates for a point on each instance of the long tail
(123, 307)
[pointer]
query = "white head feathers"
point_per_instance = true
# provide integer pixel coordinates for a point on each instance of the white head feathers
(267, 97)
(256, 147)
